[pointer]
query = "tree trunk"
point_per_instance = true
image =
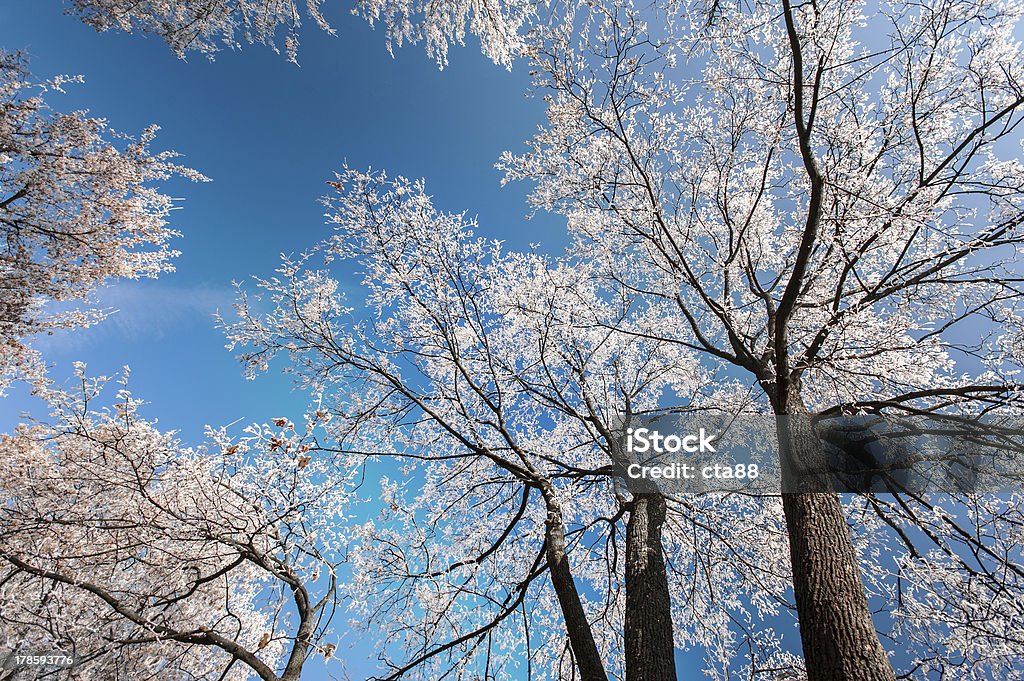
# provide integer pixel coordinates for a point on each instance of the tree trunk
(577, 626)
(838, 635)
(650, 651)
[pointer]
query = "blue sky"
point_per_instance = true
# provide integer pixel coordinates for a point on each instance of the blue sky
(269, 134)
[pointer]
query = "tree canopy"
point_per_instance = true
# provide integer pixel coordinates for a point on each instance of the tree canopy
(793, 210)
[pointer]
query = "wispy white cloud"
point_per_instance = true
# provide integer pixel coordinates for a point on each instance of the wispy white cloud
(142, 311)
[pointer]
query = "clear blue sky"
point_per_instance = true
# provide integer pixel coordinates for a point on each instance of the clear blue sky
(269, 134)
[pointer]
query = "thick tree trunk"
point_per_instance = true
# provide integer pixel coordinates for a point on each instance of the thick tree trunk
(648, 629)
(839, 639)
(577, 626)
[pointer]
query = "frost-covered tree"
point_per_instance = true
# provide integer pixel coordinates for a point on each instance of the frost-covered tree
(826, 198)
(504, 547)
(77, 209)
(145, 559)
(208, 25)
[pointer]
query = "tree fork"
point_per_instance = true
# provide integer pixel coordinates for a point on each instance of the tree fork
(838, 636)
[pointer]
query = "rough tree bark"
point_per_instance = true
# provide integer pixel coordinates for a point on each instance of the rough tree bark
(839, 639)
(650, 650)
(577, 626)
